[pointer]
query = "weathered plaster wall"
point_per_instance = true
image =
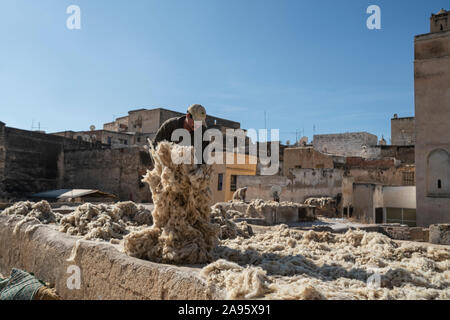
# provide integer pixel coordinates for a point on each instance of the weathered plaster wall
(118, 171)
(389, 177)
(305, 158)
(432, 101)
(31, 160)
(399, 197)
(366, 198)
(403, 131)
(302, 184)
(344, 144)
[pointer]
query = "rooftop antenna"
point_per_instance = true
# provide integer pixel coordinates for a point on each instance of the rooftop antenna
(38, 126)
(265, 120)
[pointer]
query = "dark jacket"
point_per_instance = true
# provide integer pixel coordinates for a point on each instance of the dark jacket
(169, 126)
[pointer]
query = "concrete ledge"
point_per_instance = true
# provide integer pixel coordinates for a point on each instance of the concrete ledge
(106, 273)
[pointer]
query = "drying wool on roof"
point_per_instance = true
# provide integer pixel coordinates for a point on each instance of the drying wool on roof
(322, 265)
(103, 222)
(182, 232)
(229, 229)
(263, 209)
(324, 202)
(39, 210)
(218, 208)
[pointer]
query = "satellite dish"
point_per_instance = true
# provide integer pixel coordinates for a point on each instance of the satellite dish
(92, 128)
(276, 189)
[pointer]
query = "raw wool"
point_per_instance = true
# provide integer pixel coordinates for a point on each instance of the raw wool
(218, 208)
(238, 282)
(229, 229)
(324, 202)
(182, 232)
(133, 214)
(322, 265)
(256, 207)
(104, 222)
(42, 211)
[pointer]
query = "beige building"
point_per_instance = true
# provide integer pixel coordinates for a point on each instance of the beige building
(432, 111)
(349, 144)
(224, 177)
(146, 122)
(107, 137)
(403, 131)
(307, 158)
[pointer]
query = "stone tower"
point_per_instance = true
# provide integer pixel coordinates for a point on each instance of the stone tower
(440, 22)
(432, 122)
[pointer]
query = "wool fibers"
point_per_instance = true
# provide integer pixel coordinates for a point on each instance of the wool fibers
(182, 232)
(39, 210)
(228, 228)
(321, 265)
(105, 222)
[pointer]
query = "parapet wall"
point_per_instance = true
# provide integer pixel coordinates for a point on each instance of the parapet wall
(31, 160)
(118, 171)
(106, 273)
(344, 144)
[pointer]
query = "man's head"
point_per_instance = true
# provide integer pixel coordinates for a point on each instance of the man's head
(195, 113)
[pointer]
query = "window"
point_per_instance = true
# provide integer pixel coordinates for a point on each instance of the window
(401, 215)
(408, 179)
(233, 183)
(79, 138)
(109, 140)
(220, 182)
(125, 141)
(438, 174)
(138, 139)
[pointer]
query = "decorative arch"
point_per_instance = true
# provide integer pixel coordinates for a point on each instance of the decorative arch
(438, 173)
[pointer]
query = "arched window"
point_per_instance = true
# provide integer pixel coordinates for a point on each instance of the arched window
(438, 173)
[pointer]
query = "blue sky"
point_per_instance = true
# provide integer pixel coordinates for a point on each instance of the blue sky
(307, 64)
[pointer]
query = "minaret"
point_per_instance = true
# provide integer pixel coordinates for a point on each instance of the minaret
(440, 22)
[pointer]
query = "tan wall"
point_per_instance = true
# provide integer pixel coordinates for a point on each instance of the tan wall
(116, 125)
(306, 158)
(432, 101)
(117, 171)
(344, 144)
(367, 197)
(117, 138)
(388, 177)
(144, 121)
(302, 184)
(403, 131)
